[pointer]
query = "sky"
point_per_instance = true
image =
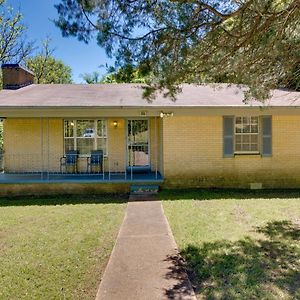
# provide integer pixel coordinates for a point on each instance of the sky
(81, 57)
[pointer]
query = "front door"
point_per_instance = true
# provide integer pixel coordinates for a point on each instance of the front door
(138, 143)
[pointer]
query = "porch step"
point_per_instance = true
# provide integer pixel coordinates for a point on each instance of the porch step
(144, 192)
(138, 170)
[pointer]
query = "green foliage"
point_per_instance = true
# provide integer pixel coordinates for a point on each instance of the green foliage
(13, 46)
(254, 42)
(91, 78)
(125, 74)
(48, 69)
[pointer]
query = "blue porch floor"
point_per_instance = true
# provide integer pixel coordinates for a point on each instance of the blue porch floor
(14, 178)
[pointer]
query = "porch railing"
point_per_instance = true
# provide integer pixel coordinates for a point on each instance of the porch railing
(49, 167)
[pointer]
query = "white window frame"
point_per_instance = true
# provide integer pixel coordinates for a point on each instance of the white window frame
(96, 137)
(247, 133)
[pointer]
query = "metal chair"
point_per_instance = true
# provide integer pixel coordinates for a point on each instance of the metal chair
(69, 161)
(95, 161)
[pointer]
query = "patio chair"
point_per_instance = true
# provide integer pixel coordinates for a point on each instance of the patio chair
(69, 161)
(95, 161)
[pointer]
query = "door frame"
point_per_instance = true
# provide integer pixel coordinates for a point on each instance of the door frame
(149, 141)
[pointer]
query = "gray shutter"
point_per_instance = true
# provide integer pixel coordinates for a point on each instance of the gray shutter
(266, 149)
(228, 136)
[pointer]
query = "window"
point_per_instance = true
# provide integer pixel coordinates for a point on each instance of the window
(85, 135)
(246, 135)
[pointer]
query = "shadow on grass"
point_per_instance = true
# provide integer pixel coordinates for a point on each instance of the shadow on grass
(210, 194)
(63, 200)
(264, 268)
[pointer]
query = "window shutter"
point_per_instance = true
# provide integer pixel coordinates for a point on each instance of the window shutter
(228, 136)
(266, 136)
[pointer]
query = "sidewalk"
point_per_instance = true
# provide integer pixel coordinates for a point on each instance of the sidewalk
(144, 262)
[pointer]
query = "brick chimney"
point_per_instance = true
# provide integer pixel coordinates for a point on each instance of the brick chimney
(16, 76)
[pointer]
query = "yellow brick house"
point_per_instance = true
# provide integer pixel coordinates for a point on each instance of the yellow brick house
(208, 137)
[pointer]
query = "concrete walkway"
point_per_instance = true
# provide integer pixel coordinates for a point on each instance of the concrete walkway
(144, 263)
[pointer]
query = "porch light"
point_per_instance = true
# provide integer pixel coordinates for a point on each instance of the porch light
(115, 123)
(166, 114)
(72, 124)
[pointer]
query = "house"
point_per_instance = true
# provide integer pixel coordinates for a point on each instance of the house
(208, 137)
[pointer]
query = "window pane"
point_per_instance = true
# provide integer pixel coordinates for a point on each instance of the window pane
(254, 147)
(246, 129)
(86, 128)
(238, 128)
(246, 139)
(254, 138)
(85, 145)
(69, 144)
(246, 147)
(101, 128)
(101, 145)
(238, 120)
(238, 147)
(254, 128)
(238, 138)
(69, 128)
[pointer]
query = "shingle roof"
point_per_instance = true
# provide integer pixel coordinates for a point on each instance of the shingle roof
(130, 95)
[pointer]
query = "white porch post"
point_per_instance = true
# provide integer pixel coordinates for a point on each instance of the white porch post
(48, 148)
(42, 146)
(156, 145)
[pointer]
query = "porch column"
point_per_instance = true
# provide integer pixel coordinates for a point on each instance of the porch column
(156, 145)
(48, 148)
(42, 146)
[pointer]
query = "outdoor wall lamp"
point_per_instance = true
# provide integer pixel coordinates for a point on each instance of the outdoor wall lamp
(115, 123)
(166, 114)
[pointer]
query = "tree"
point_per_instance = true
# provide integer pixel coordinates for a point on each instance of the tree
(13, 46)
(254, 42)
(125, 74)
(48, 69)
(91, 78)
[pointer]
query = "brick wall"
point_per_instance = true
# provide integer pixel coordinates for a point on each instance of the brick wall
(26, 145)
(193, 155)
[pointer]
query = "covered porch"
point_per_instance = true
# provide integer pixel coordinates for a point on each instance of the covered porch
(103, 150)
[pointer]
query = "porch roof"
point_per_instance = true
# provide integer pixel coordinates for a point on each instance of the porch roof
(130, 95)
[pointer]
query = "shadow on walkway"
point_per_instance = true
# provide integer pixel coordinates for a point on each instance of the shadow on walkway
(178, 271)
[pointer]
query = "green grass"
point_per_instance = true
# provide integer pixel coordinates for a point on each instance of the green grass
(56, 248)
(238, 244)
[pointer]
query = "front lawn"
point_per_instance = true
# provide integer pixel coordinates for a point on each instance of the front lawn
(238, 244)
(56, 247)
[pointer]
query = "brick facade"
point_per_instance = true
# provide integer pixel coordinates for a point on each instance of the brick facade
(187, 150)
(193, 155)
(32, 145)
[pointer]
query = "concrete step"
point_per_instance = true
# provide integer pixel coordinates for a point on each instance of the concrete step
(144, 192)
(143, 197)
(141, 189)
